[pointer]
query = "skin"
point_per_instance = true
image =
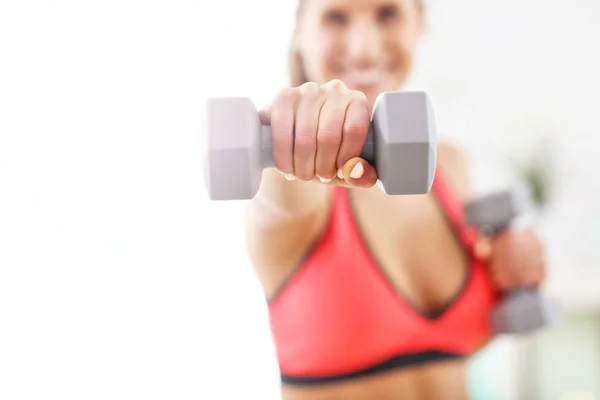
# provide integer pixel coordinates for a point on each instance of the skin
(343, 44)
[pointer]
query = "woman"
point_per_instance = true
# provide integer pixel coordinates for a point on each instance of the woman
(370, 296)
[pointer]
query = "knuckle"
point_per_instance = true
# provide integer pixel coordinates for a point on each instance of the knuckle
(305, 145)
(356, 128)
(357, 95)
(287, 95)
(282, 143)
(329, 139)
(335, 85)
(309, 88)
(305, 127)
(329, 134)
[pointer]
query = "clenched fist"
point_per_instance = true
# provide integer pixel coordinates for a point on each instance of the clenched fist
(516, 259)
(318, 133)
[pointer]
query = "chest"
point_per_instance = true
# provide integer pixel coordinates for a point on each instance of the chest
(414, 242)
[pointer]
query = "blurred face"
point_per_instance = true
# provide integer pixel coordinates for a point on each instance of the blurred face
(368, 44)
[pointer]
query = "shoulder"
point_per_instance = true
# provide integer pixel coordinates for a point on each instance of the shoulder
(453, 162)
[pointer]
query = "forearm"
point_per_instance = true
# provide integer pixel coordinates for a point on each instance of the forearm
(283, 219)
(280, 200)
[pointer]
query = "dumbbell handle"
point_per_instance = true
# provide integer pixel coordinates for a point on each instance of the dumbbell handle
(267, 161)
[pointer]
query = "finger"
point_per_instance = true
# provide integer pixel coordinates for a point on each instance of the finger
(355, 130)
(335, 86)
(501, 269)
(483, 247)
(508, 280)
(532, 267)
(306, 126)
(264, 115)
(329, 136)
(500, 280)
(282, 116)
(359, 173)
(528, 273)
(505, 265)
(537, 274)
(515, 272)
(335, 181)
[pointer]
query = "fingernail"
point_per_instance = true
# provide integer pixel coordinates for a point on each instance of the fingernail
(289, 177)
(325, 180)
(357, 171)
(340, 174)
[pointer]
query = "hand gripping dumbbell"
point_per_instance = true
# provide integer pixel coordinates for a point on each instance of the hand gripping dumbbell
(401, 144)
(522, 310)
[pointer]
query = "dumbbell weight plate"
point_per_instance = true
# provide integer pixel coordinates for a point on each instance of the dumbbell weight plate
(524, 309)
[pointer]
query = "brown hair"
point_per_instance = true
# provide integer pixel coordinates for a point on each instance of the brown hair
(297, 76)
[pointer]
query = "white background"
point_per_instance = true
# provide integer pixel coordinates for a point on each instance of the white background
(120, 280)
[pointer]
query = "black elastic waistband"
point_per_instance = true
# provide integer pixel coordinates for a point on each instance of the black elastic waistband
(401, 361)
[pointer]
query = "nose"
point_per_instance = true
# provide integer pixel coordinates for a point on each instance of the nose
(364, 46)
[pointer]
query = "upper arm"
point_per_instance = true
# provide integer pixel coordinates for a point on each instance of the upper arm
(454, 163)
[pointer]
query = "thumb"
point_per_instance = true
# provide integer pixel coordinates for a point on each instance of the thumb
(358, 173)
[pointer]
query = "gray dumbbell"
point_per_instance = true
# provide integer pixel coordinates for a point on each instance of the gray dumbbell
(402, 145)
(523, 310)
